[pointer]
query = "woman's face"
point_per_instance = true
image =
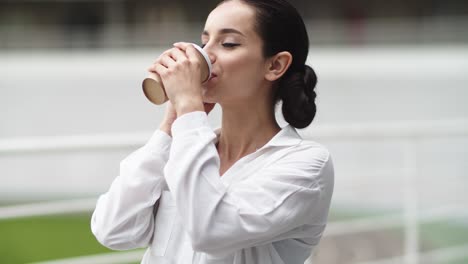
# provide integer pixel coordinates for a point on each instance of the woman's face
(236, 52)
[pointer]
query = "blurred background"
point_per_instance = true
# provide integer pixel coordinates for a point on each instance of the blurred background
(392, 109)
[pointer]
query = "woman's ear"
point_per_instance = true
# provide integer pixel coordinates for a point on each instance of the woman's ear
(278, 65)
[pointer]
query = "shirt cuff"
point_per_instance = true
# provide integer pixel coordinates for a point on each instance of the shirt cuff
(160, 141)
(189, 121)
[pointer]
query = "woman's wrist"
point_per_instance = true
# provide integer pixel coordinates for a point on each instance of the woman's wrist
(165, 127)
(189, 105)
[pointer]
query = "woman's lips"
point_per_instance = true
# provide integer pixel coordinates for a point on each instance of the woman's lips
(210, 82)
(213, 75)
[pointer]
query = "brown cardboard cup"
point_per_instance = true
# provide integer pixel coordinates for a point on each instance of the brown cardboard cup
(153, 87)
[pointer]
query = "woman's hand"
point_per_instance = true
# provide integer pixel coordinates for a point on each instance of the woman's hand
(180, 71)
(169, 117)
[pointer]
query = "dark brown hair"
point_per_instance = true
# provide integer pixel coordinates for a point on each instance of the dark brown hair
(281, 28)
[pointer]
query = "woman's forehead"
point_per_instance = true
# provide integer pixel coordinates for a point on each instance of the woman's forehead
(232, 14)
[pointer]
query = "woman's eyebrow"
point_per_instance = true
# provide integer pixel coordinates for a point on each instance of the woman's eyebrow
(225, 31)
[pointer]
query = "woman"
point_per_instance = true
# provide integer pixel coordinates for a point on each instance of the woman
(249, 192)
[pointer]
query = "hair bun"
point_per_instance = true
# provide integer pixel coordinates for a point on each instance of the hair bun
(296, 90)
(310, 80)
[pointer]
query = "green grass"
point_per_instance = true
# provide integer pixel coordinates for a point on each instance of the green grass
(346, 214)
(444, 234)
(54, 237)
(44, 238)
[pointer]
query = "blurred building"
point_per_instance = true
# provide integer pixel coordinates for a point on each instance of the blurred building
(53, 24)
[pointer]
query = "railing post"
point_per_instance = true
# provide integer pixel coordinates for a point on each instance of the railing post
(410, 203)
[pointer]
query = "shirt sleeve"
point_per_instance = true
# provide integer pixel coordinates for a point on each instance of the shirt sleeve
(123, 217)
(293, 191)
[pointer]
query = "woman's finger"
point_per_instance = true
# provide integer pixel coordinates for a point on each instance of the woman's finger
(182, 45)
(152, 68)
(167, 61)
(192, 53)
(160, 69)
(178, 55)
(167, 53)
(163, 59)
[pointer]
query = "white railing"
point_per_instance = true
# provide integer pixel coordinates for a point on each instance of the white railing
(443, 255)
(71, 143)
(106, 258)
(47, 208)
(410, 132)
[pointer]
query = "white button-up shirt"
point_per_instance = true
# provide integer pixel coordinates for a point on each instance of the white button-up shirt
(270, 207)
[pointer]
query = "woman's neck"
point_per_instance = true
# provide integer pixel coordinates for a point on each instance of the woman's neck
(245, 129)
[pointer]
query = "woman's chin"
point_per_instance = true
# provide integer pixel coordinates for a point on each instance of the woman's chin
(209, 101)
(207, 98)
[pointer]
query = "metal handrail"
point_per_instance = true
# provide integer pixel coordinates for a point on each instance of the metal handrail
(406, 129)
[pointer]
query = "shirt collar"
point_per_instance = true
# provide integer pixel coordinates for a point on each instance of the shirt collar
(287, 136)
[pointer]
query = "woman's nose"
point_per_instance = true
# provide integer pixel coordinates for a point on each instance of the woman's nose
(210, 54)
(212, 57)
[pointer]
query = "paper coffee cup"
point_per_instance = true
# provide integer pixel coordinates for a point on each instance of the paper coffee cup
(153, 87)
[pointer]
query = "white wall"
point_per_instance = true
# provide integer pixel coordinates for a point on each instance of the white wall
(46, 94)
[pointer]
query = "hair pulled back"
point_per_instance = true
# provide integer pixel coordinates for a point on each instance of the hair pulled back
(281, 28)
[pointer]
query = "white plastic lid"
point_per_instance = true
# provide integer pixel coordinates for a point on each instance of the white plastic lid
(207, 59)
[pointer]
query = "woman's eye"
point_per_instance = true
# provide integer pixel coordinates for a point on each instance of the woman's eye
(226, 45)
(230, 45)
